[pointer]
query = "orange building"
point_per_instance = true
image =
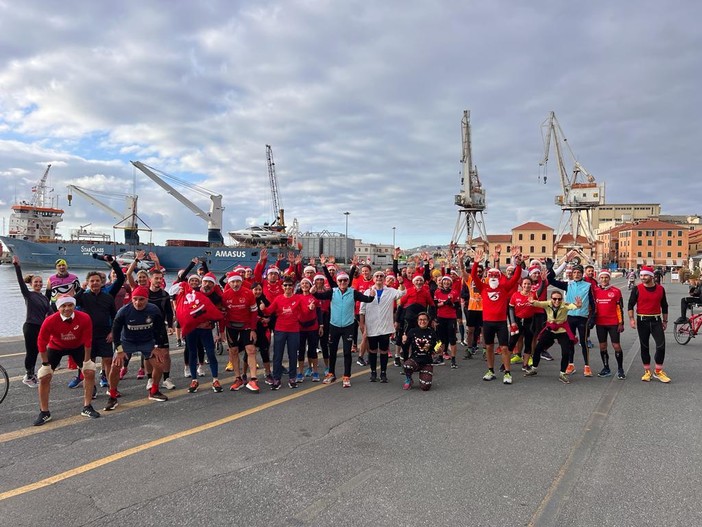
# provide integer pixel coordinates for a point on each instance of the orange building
(535, 239)
(652, 242)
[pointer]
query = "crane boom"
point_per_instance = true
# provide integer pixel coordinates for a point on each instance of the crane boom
(131, 230)
(40, 191)
(278, 213)
(213, 217)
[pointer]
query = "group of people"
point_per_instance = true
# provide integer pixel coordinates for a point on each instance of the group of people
(412, 316)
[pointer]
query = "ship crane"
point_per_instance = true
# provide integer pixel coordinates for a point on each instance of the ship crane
(580, 194)
(278, 213)
(126, 221)
(471, 198)
(213, 217)
(40, 191)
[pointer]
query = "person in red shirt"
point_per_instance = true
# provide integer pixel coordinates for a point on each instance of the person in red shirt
(67, 332)
(241, 319)
(521, 319)
(495, 297)
(609, 321)
(446, 300)
(310, 331)
(416, 300)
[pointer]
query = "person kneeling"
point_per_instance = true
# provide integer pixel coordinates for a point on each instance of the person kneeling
(422, 341)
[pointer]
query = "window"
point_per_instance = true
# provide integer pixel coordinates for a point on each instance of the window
(669, 254)
(658, 254)
(531, 236)
(679, 233)
(509, 249)
(679, 243)
(649, 254)
(531, 249)
(639, 242)
(670, 233)
(520, 236)
(660, 233)
(638, 254)
(650, 242)
(659, 242)
(543, 249)
(670, 242)
(543, 237)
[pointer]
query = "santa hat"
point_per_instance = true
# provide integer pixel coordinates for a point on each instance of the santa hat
(239, 269)
(273, 269)
(140, 291)
(510, 267)
(494, 271)
(605, 272)
(310, 269)
(379, 273)
(306, 280)
(535, 269)
(417, 278)
(646, 270)
(210, 277)
(447, 277)
(341, 276)
(535, 262)
(65, 299)
(319, 277)
(231, 277)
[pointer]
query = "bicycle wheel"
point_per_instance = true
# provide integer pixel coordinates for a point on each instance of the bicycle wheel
(4, 384)
(681, 332)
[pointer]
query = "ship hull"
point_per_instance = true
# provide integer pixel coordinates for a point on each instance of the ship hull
(79, 255)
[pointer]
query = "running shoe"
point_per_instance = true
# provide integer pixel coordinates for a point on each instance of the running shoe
(30, 380)
(531, 371)
(546, 355)
(275, 385)
(76, 381)
(168, 384)
(516, 359)
(252, 386)
(308, 372)
(531, 361)
(44, 417)
(398, 362)
(563, 377)
(646, 376)
(103, 380)
(661, 376)
(149, 383)
(216, 386)
(361, 361)
(329, 378)
(158, 396)
(464, 343)
(589, 343)
(123, 372)
(605, 372)
(587, 372)
(680, 320)
(439, 361)
(238, 384)
(315, 377)
(269, 379)
(383, 378)
(373, 377)
(346, 382)
(300, 378)
(447, 356)
(179, 343)
(230, 366)
(200, 371)
(570, 370)
(507, 378)
(620, 374)
(111, 404)
(326, 371)
(454, 366)
(193, 386)
(141, 374)
(468, 354)
(89, 411)
(408, 384)
(292, 384)
(186, 371)
(489, 376)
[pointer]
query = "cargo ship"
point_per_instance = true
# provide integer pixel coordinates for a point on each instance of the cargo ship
(34, 239)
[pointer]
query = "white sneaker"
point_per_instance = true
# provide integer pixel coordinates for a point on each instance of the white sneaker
(186, 372)
(168, 384)
(200, 371)
(149, 383)
(30, 380)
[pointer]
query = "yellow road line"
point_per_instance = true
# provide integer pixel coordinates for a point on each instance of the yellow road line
(157, 442)
(11, 355)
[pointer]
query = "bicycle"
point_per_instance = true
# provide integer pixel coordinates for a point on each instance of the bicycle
(4, 383)
(688, 330)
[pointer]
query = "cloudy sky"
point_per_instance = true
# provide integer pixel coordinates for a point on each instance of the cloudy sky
(361, 102)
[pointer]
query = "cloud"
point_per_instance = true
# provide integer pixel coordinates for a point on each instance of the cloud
(361, 102)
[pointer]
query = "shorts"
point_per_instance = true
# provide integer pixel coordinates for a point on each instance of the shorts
(381, 342)
(612, 331)
(55, 356)
(101, 348)
(145, 348)
(474, 318)
(446, 331)
(239, 338)
(499, 329)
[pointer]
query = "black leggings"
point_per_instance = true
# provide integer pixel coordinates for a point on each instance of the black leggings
(31, 333)
(308, 345)
(324, 339)
(651, 327)
(344, 334)
(546, 341)
(578, 325)
(526, 331)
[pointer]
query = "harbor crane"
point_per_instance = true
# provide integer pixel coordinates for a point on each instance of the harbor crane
(278, 213)
(213, 217)
(471, 198)
(126, 221)
(40, 191)
(580, 194)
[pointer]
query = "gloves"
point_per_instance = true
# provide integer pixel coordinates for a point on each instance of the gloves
(44, 371)
(513, 329)
(549, 263)
(89, 365)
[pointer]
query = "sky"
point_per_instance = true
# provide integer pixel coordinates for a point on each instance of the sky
(361, 102)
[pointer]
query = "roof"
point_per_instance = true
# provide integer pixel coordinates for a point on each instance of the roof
(650, 224)
(532, 226)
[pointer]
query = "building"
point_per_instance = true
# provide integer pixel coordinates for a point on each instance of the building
(652, 242)
(315, 244)
(609, 215)
(374, 253)
(535, 239)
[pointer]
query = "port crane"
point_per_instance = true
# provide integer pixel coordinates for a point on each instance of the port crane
(126, 221)
(40, 191)
(581, 193)
(213, 217)
(278, 213)
(471, 198)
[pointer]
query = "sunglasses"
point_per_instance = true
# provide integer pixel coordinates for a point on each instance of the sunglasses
(287, 285)
(343, 280)
(556, 299)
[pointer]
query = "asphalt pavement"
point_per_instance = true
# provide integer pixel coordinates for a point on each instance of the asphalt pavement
(596, 452)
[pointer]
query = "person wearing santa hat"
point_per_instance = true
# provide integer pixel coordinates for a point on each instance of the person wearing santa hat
(609, 322)
(446, 300)
(67, 332)
(651, 320)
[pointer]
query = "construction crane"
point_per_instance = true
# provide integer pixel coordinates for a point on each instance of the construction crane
(213, 217)
(126, 221)
(580, 194)
(278, 213)
(471, 198)
(40, 190)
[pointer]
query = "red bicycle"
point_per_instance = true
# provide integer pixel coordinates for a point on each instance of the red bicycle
(687, 330)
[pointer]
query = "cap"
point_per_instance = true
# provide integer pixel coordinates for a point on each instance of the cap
(140, 291)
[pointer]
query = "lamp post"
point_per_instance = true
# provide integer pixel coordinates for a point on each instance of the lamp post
(346, 238)
(393, 238)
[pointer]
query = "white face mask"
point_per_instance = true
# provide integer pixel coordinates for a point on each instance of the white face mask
(494, 282)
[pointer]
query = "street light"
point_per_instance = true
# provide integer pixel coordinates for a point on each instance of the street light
(346, 238)
(393, 238)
